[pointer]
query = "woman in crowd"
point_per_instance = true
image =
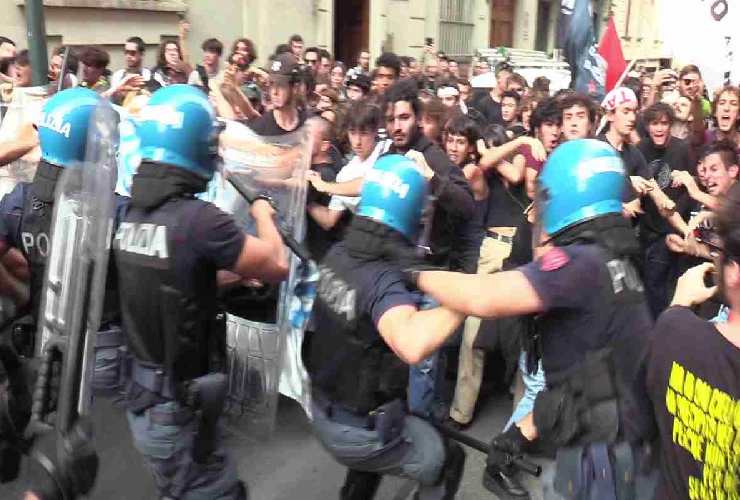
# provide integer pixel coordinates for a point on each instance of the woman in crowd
(171, 68)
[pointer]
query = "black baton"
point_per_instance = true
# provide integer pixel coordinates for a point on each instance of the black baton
(249, 195)
(517, 461)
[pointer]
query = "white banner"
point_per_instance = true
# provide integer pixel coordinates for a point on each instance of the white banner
(705, 33)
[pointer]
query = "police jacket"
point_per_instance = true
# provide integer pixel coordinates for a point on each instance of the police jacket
(26, 216)
(455, 202)
(348, 361)
(168, 249)
(593, 302)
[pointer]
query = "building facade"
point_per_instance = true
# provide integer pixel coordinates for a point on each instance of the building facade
(344, 27)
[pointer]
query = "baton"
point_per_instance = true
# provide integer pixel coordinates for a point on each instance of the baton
(249, 195)
(63, 69)
(517, 461)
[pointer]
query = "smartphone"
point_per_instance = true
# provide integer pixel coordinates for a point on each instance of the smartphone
(429, 41)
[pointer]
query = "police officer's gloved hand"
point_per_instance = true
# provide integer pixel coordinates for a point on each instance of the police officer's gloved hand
(505, 447)
(411, 274)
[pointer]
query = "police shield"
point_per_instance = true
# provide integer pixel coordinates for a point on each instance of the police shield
(264, 351)
(74, 284)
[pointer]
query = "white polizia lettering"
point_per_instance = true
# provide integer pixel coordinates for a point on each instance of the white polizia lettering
(39, 241)
(142, 239)
(165, 116)
(624, 275)
(53, 121)
(390, 181)
(336, 294)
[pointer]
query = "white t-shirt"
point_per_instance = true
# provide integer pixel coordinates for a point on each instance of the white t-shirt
(352, 170)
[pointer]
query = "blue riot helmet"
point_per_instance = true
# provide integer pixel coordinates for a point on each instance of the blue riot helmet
(394, 193)
(63, 126)
(581, 180)
(176, 128)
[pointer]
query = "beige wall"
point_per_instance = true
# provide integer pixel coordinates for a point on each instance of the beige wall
(525, 24)
(400, 24)
(107, 28)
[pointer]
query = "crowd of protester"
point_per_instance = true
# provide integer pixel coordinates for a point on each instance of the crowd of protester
(679, 142)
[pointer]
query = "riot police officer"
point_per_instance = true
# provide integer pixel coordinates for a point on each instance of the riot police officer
(25, 224)
(168, 249)
(593, 322)
(368, 328)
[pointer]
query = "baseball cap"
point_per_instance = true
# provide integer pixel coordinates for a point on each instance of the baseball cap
(360, 80)
(284, 68)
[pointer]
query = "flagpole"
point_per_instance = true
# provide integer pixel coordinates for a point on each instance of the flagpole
(618, 84)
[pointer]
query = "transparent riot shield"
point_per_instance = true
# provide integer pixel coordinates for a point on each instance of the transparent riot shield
(74, 285)
(274, 166)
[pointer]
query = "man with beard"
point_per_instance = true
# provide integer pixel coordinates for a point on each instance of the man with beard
(694, 372)
(663, 154)
(284, 116)
(726, 107)
(454, 203)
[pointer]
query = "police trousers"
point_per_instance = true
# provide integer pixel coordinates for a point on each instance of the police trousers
(493, 252)
(164, 434)
(418, 455)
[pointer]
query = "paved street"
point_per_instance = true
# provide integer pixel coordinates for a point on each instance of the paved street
(290, 466)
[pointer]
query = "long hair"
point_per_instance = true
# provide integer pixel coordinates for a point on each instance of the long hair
(161, 60)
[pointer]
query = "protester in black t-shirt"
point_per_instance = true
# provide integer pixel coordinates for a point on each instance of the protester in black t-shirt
(319, 240)
(285, 117)
(693, 377)
(621, 112)
(663, 154)
(490, 104)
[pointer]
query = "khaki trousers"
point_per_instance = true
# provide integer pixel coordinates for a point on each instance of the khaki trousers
(493, 252)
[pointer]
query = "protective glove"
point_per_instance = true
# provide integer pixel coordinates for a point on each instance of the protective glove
(505, 447)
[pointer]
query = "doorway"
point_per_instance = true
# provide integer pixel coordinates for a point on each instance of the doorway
(351, 29)
(502, 23)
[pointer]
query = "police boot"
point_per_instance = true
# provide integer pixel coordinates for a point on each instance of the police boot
(359, 485)
(500, 475)
(453, 469)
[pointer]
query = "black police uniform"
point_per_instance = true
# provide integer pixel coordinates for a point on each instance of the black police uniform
(594, 332)
(168, 249)
(359, 384)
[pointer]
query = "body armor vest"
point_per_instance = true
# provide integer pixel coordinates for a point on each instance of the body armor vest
(167, 315)
(349, 361)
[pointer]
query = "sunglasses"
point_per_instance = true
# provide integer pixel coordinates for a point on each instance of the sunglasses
(130, 52)
(690, 81)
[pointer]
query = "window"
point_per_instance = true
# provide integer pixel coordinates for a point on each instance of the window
(456, 24)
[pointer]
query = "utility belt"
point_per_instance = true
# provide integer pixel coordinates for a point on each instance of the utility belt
(581, 406)
(112, 361)
(387, 419)
(597, 471)
(203, 397)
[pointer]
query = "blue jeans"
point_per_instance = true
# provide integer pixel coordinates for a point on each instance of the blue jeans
(424, 377)
(660, 272)
(168, 453)
(419, 454)
(533, 384)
